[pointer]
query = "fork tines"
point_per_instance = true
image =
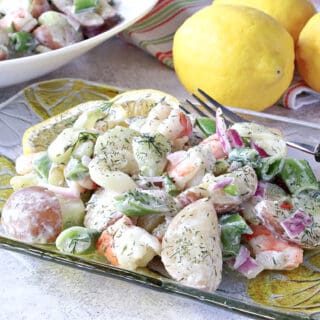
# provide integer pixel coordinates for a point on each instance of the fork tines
(230, 117)
(211, 110)
(196, 109)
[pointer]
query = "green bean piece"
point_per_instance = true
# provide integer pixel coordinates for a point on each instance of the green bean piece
(41, 165)
(297, 174)
(83, 5)
(139, 203)
(270, 167)
(22, 41)
(169, 185)
(232, 227)
(231, 189)
(206, 125)
(77, 240)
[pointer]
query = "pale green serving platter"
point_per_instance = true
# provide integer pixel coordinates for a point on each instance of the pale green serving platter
(272, 295)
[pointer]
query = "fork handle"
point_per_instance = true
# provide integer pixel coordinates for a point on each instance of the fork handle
(306, 148)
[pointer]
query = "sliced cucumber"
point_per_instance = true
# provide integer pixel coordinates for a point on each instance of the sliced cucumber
(72, 211)
(150, 152)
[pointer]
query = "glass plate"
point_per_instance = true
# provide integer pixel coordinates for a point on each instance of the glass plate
(272, 295)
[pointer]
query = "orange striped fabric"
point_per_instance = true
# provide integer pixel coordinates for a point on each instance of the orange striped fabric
(154, 33)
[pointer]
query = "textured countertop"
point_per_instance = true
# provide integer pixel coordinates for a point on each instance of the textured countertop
(36, 289)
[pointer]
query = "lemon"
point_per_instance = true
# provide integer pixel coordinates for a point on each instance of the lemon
(292, 14)
(129, 104)
(239, 55)
(308, 53)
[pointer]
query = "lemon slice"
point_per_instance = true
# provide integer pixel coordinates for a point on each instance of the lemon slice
(38, 137)
(139, 102)
(7, 171)
(131, 104)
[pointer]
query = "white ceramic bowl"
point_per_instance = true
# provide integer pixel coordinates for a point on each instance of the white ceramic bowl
(14, 71)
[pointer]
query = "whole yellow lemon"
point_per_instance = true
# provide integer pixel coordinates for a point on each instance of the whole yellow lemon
(292, 14)
(308, 53)
(239, 55)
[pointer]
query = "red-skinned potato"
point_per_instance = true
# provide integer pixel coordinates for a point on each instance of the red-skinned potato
(32, 215)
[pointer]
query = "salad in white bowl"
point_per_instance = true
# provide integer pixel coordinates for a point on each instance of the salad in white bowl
(39, 36)
(35, 26)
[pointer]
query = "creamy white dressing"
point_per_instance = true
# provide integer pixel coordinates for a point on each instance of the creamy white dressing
(100, 210)
(271, 141)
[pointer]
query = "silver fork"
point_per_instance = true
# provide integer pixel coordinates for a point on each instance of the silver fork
(231, 117)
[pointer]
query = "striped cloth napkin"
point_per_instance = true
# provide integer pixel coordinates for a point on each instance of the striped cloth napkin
(154, 34)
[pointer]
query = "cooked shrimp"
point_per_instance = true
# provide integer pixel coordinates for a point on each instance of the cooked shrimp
(216, 147)
(265, 191)
(104, 246)
(127, 245)
(170, 122)
(272, 252)
(187, 168)
(243, 180)
(21, 19)
(24, 21)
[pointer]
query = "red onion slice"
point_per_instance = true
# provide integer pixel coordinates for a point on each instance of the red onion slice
(223, 183)
(241, 257)
(234, 138)
(261, 151)
(245, 264)
(296, 223)
(222, 131)
(261, 190)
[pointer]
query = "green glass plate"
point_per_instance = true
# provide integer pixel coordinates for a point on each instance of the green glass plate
(272, 295)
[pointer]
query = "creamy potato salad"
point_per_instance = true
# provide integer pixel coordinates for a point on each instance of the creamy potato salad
(136, 185)
(35, 26)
